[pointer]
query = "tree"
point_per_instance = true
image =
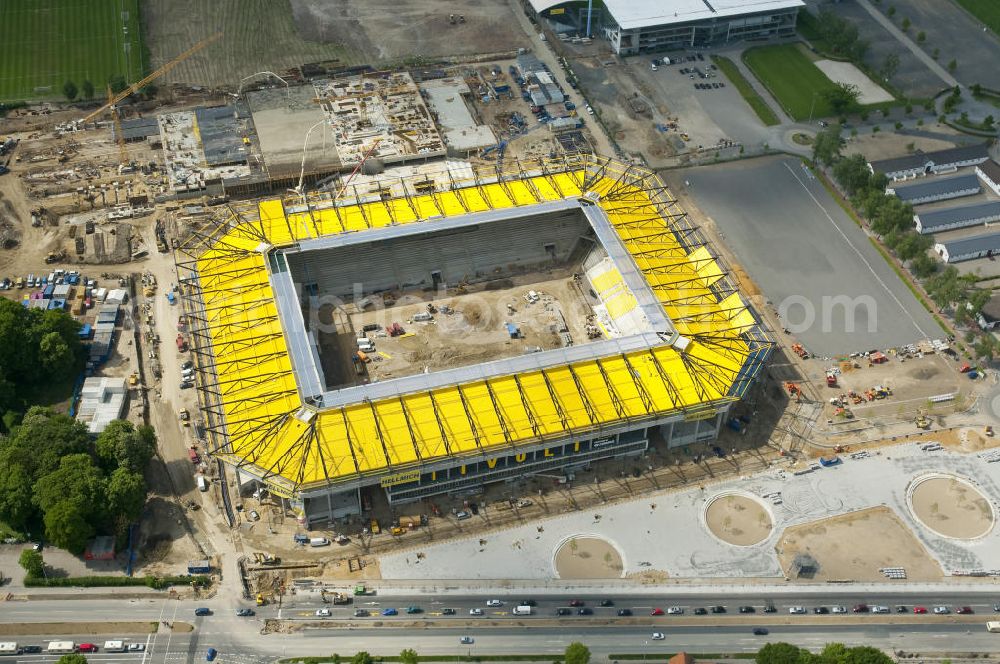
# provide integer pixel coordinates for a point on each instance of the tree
(78, 482)
(32, 563)
(842, 96)
(988, 122)
(826, 147)
(75, 658)
(67, 525)
(70, 90)
(17, 508)
(362, 658)
(906, 24)
(577, 653)
(43, 439)
(976, 89)
(55, 356)
(782, 653)
(866, 655)
(891, 11)
(87, 88)
(952, 65)
(852, 174)
(121, 445)
(985, 347)
(126, 497)
(890, 65)
(117, 83)
(923, 266)
(936, 53)
(921, 37)
(408, 656)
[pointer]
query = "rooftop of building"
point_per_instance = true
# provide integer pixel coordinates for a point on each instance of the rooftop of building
(921, 159)
(935, 186)
(950, 215)
(260, 419)
(630, 14)
(982, 242)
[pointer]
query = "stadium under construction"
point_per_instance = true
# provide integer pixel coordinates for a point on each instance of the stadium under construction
(674, 345)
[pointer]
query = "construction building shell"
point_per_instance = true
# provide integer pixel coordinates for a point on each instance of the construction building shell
(258, 421)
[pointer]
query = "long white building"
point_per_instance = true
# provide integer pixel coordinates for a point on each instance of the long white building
(641, 26)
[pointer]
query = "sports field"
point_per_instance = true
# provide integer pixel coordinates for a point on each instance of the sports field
(792, 78)
(987, 11)
(44, 43)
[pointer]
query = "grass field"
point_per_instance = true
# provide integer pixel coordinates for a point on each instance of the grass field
(44, 43)
(756, 102)
(987, 11)
(792, 79)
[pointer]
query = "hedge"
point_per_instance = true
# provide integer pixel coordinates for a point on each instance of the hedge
(155, 582)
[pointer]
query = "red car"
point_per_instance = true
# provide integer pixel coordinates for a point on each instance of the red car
(86, 647)
(920, 609)
(965, 610)
(860, 608)
(656, 612)
(576, 602)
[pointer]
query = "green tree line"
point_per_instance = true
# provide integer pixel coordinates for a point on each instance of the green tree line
(56, 479)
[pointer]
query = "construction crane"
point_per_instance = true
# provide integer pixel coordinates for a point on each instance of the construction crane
(114, 99)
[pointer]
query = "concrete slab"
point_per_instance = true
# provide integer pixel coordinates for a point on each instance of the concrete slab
(832, 288)
(845, 72)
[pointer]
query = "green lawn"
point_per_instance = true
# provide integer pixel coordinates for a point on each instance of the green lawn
(987, 11)
(44, 43)
(792, 79)
(756, 102)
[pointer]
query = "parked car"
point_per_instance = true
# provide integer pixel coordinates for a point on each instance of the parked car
(658, 636)
(901, 609)
(361, 613)
(674, 610)
(87, 647)
(920, 609)
(498, 602)
(821, 610)
(607, 602)
(461, 516)
(33, 650)
(211, 654)
(838, 609)
(657, 612)
(414, 609)
(390, 612)
(796, 610)
(624, 612)
(447, 612)
(585, 611)
(942, 610)
(576, 602)
(467, 640)
(475, 612)
(244, 612)
(747, 609)
(563, 611)
(770, 608)
(203, 611)
(323, 613)
(964, 610)
(132, 647)
(700, 611)
(760, 631)
(717, 609)
(860, 608)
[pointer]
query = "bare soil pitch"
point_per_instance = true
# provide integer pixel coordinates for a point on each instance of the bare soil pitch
(952, 508)
(855, 546)
(588, 558)
(738, 520)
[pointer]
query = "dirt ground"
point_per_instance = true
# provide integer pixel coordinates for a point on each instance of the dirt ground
(474, 333)
(390, 29)
(588, 558)
(845, 72)
(855, 546)
(60, 628)
(952, 508)
(257, 35)
(738, 520)
(888, 145)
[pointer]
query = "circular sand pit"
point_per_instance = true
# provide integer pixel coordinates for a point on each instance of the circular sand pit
(587, 557)
(738, 519)
(950, 506)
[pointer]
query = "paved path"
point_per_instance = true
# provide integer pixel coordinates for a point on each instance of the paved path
(903, 39)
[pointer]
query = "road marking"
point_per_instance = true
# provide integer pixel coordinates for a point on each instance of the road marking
(857, 252)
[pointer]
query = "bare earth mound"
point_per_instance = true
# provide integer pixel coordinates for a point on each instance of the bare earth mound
(952, 508)
(588, 558)
(738, 520)
(856, 545)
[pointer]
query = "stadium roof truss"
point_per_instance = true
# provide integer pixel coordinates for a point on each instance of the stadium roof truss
(264, 417)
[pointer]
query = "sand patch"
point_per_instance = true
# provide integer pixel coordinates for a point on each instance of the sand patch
(951, 507)
(587, 558)
(845, 72)
(856, 546)
(738, 519)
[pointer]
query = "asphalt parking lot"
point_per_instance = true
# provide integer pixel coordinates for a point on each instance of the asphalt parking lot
(832, 288)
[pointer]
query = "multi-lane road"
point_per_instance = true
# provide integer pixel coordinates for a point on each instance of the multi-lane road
(240, 639)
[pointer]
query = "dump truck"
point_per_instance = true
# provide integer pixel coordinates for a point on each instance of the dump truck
(375, 527)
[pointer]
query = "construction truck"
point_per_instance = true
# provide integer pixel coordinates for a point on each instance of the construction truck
(266, 559)
(261, 600)
(375, 528)
(831, 379)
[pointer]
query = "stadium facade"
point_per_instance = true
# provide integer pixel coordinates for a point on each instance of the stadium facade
(644, 26)
(680, 347)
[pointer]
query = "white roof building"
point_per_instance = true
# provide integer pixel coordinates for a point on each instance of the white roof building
(102, 400)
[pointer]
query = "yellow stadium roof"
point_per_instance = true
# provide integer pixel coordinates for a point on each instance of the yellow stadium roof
(261, 422)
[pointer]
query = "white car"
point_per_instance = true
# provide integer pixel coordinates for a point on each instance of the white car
(674, 610)
(838, 609)
(796, 609)
(590, 109)
(880, 609)
(323, 613)
(136, 647)
(494, 602)
(658, 636)
(475, 612)
(941, 610)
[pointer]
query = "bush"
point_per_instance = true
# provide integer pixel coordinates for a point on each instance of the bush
(154, 582)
